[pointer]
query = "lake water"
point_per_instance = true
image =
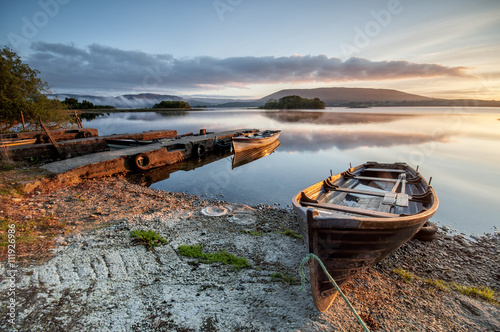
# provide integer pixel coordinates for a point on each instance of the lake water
(458, 147)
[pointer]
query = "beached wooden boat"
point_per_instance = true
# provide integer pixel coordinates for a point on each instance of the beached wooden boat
(354, 219)
(255, 139)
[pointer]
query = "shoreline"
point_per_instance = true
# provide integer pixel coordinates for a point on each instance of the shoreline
(89, 274)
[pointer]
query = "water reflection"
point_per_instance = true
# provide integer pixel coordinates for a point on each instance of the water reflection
(155, 116)
(247, 156)
(147, 178)
(451, 145)
(333, 118)
(295, 140)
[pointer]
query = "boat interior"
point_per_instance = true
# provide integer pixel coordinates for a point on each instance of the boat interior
(371, 191)
(261, 134)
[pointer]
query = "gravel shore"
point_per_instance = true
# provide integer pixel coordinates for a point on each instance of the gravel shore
(91, 276)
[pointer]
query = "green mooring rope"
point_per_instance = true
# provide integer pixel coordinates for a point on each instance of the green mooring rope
(303, 282)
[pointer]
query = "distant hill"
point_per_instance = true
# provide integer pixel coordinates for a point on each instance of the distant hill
(346, 95)
(342, 97)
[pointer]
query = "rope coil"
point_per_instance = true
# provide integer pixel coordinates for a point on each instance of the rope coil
(311, 256)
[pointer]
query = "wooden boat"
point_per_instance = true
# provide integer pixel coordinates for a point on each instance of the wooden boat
(354, 219)
(255, 139)
(247, 156)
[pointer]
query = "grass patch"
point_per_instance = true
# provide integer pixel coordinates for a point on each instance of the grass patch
(10, 191)
(7, 166)
(32, 236)
(276, 276)
(195, 251)
(28, 230)
(406, 275)
(290, 233)
(482, 292)
(150, 238)
(436, 283)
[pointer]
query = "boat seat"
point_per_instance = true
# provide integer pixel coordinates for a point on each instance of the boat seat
(307, 201)
(354, 210)
(384, 170)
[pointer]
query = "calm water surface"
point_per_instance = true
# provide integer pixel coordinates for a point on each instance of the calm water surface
(458, 147)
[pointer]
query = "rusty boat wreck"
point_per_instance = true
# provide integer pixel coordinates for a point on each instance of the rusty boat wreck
(354, 219)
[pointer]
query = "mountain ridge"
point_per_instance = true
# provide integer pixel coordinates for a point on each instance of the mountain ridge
(332, 96)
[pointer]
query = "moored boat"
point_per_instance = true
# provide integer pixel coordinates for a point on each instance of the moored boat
(255, 139)
(354, 219)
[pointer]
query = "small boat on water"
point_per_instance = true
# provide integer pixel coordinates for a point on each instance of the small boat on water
(255, 139)
(354, 219)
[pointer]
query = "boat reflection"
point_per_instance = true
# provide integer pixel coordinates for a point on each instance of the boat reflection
(247, 156)
(147, 178)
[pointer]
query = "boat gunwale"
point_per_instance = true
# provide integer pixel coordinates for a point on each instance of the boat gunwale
(373, 222)
(247, 137)
(241, 143)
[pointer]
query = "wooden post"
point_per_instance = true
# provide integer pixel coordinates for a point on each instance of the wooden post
(22, 118)
(78, 121)
(52, 140)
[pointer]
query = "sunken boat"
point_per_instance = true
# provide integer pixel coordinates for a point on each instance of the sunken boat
(354, 219)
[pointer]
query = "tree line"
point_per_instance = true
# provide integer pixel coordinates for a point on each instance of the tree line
(73, 104)
(172, 104)
(293, 102)
(23, 95)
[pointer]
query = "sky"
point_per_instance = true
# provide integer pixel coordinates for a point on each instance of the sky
(251, 48)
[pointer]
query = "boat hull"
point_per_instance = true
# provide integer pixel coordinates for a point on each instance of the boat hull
(247, 156)
(350, 242)
(254, 140)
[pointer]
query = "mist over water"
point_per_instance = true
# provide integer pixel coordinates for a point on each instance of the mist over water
(458, 147)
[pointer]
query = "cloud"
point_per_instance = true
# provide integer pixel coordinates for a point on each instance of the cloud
(98, 66)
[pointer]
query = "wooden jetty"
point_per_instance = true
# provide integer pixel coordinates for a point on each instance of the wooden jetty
(64, 144)
(143, 157)
(65, 149)
(57, 135)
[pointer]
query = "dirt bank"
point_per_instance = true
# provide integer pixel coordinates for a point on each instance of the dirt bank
(79, 270)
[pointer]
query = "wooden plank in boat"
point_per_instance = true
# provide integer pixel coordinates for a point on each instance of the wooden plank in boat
(361, 192)
(385, 170)
(349, 209)
(341, 197)
(370, 178)
(370, 193)
(390, 197)
(402, 199)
